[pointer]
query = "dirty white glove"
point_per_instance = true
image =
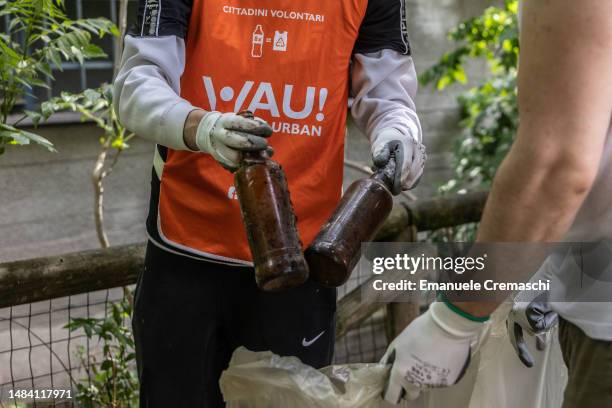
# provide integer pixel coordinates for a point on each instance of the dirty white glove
(409, 156)
(226, 135)
(530, 314)
(432, 352)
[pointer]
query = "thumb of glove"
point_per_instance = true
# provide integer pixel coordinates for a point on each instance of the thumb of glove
(381, 157)
(395, 389)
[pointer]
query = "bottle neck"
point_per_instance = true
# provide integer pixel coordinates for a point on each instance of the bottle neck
(253, 157)
(386, 174)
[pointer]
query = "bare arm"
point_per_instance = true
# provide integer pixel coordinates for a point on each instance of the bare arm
(565, 105)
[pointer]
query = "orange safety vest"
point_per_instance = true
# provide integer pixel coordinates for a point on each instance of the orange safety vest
(288, 62)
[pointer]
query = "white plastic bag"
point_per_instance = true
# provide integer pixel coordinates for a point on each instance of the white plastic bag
(265, 380)
(258, 380)
(504, 382)
(495, 378)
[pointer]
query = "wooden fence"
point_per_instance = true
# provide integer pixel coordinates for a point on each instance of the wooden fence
(34, 280)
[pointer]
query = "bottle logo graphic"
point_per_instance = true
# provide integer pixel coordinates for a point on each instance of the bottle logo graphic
(232, 194)
(258, 42)
(280, 41)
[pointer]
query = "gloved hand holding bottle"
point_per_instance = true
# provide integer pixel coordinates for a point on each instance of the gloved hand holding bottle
(410, 157)
(226, 135)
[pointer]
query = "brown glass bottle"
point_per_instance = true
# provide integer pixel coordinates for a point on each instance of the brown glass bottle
(336, 249)
(270, 223)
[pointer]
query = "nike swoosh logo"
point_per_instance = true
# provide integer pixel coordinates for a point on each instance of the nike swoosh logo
(308, 343)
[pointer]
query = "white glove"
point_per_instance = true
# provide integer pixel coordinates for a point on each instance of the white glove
(226, 135)
(530, 313)
(433, 351)
(409, 155)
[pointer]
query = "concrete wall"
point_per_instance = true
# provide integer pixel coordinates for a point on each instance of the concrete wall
(46, 199)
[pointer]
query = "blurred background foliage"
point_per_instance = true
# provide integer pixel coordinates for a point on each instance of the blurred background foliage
(488, 109)
(489, 114)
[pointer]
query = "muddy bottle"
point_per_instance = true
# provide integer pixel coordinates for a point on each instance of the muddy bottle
(361, 212)
(270, 223)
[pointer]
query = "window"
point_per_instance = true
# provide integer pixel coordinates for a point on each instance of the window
(74, 77)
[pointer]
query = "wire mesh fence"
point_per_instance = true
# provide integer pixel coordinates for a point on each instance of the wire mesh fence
(39, 353)
(368, 342)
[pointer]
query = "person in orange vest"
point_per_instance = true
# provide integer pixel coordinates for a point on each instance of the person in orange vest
(187, 68)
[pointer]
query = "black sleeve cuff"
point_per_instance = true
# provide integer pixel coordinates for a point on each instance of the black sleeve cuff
(383, 27)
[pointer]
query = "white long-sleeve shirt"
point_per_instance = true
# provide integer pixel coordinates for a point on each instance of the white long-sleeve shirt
(147, 89)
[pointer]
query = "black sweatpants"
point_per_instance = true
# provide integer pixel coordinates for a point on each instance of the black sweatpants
(190, 315)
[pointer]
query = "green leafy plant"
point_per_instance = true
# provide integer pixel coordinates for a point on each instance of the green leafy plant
(40, 36)
(111, 381)
(111, 378)
(488, 110)
(489, 115)
(95, 105)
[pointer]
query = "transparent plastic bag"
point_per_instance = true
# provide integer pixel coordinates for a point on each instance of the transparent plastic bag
(265, 380)
(495, 378)
(504, 382)
(258, 380)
